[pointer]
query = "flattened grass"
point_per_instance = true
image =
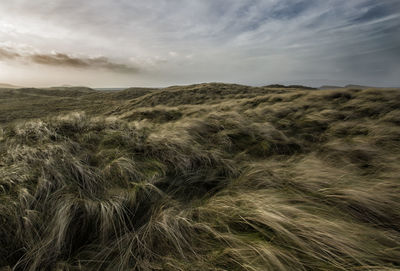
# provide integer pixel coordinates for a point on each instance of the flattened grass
(227, 178)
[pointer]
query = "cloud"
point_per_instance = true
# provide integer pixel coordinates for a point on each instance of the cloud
(245, 41)
(7, 54)
(65, 60)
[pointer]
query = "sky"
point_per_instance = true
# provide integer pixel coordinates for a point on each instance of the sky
(121, 43)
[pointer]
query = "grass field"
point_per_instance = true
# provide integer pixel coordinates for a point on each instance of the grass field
(200, 177)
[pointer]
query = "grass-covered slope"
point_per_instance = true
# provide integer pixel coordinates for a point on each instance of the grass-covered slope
(202, 177)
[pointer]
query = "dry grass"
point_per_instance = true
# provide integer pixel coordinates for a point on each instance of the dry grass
(201, 177)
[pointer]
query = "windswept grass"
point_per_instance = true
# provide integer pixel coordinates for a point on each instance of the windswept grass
(211, 177)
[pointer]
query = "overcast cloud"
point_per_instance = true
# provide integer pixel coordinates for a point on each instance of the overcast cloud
(163, 42)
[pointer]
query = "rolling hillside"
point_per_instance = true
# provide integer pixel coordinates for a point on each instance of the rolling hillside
(200, 177)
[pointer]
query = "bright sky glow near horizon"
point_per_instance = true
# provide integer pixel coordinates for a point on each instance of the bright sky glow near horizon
(121, 43)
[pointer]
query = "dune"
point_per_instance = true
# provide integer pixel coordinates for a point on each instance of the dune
(200, 177)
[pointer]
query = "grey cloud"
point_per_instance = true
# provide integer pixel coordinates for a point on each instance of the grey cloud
(7, 54)
(249, 41)
(290, 9)
(372, 10)
(64, 60)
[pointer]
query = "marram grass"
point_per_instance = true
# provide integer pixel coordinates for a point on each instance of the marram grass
(214, 177)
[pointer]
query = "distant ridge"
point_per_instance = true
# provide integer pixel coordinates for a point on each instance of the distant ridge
(358, 86)
(329, 87)
(71, 88)
(8, 86)
(347, 86)
(289, 86)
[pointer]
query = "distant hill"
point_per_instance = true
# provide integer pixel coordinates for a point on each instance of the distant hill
(68, 86)
(71, 89)
(289, 86)
(359, 86)
(132, 93)
(347, 86)
(329, 87)
(8, 86)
